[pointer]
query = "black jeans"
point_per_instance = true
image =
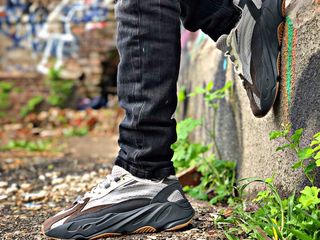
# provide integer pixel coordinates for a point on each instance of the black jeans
(149, 46)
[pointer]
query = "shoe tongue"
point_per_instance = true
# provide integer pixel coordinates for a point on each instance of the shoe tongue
(118, 172)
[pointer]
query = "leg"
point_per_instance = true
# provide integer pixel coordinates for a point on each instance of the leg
(149, 47)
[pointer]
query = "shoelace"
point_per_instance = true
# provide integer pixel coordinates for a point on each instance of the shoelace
(226, 43)
(106, 183)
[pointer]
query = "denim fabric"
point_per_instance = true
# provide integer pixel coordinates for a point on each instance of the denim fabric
(213, 17)
(149, 46)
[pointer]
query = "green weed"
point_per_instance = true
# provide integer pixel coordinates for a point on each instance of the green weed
(308, 157)
(5, 90)
(210, 95)
(31, 105)
(295, 217)
(187, 154)
(217, 182)
(76, 132)
(31, 146)
(218, 176)
(60, 89)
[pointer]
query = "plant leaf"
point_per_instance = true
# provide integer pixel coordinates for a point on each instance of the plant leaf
(300, 235)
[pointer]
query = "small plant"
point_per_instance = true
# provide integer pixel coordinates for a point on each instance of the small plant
(182, 94)
(76, 132)
(31, 105)
(295, 217)
(308, 157)
(5, 89)
(217, 182)
(276, 218)
(60, 89)
(210, 95)
(217, 176)
(31, 146)
(187, 154)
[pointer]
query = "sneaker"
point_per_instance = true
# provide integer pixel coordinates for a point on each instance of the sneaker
(123, 204)
(254, 47)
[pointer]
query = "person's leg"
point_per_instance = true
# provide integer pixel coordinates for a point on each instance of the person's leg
(149, 47)
(127, 202)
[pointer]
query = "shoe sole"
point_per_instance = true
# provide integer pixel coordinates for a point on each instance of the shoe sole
(150, 219)
(142, 230)
(280, 33)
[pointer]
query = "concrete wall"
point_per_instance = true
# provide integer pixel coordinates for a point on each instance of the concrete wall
(239, 135)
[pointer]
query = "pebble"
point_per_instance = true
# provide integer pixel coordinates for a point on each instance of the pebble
(51, 174)
(26, 186)
(3, 197)
(34, 196)
(12, 127)
(86, 177)
(3, 184)
(33, 206)
(42, 178)
(9, 160)
(57, 181)
(13, 188)
(152, 237)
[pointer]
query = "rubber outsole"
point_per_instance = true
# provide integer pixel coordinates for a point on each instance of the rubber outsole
(280, 39)
(141, 230)
(149, 219)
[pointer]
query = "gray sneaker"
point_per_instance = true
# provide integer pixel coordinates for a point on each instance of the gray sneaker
(123, 204)
(254, 48)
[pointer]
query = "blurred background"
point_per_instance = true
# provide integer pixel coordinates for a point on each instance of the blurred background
(59, 115)
(58, 70)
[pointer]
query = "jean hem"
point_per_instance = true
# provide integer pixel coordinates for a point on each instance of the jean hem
(143, 173)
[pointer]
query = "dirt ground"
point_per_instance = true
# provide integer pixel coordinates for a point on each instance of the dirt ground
(34, 187)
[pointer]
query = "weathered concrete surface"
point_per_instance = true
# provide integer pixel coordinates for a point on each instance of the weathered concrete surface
(239, 135)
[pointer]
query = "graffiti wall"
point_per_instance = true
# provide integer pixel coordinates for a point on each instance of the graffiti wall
(74, 37)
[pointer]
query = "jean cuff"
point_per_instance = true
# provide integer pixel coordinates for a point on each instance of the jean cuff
(143, 173)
